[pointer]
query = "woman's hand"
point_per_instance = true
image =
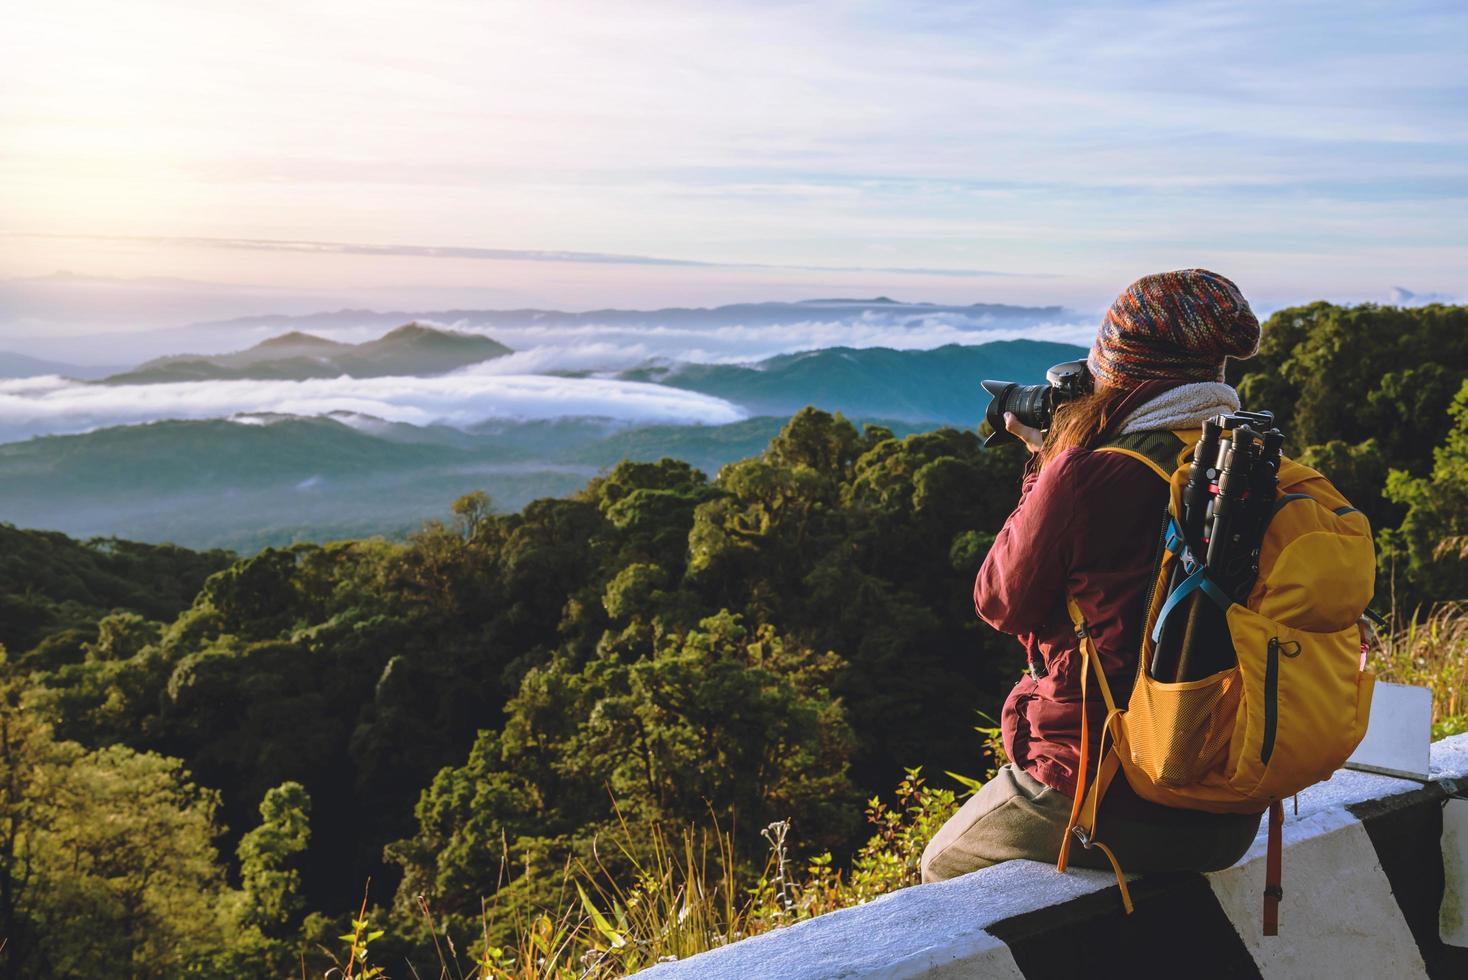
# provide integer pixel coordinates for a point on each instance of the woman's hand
(1032, 437)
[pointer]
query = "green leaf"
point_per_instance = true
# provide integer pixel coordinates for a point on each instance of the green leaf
(971, 784)
(597, 919)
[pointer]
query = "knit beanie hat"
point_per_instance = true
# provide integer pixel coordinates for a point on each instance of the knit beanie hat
(1174, 325)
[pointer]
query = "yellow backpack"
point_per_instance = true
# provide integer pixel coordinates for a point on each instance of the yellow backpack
(1287, 714)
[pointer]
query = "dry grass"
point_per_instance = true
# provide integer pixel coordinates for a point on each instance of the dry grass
(1432, 651)
(692, 895)
(684, 896)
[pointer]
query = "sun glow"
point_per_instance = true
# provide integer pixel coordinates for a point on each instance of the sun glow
(1069, 142)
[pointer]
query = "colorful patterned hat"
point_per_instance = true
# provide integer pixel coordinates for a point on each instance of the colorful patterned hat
(1173, 325)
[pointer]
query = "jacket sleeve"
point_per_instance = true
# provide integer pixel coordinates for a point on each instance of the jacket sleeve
(1024, 576)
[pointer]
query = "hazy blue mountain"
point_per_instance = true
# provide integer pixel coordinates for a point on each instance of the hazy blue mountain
(13, 365)
(749, 314)
(408, 350)
(708, 447)
(269, 480)
(939, 385)
(248, 483)
(208, 338)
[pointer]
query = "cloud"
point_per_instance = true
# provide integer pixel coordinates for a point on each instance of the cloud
(574, 357)
(498, 254)
(610, 348)
(978, 136)
(41, 406)
(1406, 297)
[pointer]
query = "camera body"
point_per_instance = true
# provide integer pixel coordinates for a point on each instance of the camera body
(1034, 405)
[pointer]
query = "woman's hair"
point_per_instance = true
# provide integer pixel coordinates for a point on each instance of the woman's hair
(1079, 422)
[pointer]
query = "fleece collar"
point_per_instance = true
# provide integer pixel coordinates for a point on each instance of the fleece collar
(1182, 407)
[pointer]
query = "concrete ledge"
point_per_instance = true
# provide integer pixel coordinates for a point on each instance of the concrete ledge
(1363, 879)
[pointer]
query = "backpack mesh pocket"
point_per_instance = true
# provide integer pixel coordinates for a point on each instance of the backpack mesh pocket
(1177, 732)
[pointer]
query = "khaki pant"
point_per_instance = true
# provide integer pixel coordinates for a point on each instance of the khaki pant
(1014, 815)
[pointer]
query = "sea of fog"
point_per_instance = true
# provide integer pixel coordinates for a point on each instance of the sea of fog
(593, 347)
(523, 385)
(52, 405)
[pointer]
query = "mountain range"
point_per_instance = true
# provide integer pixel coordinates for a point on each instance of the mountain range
(13, 365)
(411, 349)
(939, 385)
(254, 481)
(741, 314)
(262, 479)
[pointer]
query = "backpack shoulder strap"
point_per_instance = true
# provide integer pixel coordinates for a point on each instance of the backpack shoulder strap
(1157, 448)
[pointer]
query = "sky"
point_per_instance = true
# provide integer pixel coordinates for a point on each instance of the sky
(270, 156)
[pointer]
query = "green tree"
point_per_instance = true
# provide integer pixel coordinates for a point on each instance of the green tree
(1353, 373)
(107, 860)
(471, 512)
(722, 717)
(466, 817)
(269, 857)
(741, 720)
(1431, 545)
(28, 756)
(122, 636)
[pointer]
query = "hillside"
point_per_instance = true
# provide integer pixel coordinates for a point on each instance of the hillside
(925, 385)
(264, 480)
(411, 349)
(249, 483)
(50, 583)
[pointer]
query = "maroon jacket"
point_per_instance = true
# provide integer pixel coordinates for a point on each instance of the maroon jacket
(1088, 525)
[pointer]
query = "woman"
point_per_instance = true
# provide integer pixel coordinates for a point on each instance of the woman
(1087, 525)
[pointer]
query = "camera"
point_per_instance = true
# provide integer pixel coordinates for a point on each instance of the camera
(1034, 405)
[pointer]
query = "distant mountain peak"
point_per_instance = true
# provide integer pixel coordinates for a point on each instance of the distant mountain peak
(418, 331)
(1401, 296)
(297, 338)
(416, 336)
(411, 349)
(744, 314)
(884, 300)
(412, 329)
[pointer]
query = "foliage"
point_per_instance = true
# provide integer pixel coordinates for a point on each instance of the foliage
(107, 861)
(1432, 652)
(1429, 546)
(268, 856)
(1351, 373)
(660, 896)
(50, 584)
(361, 669)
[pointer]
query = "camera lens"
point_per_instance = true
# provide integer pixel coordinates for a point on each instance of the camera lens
(994, 414)
(1031, 404)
